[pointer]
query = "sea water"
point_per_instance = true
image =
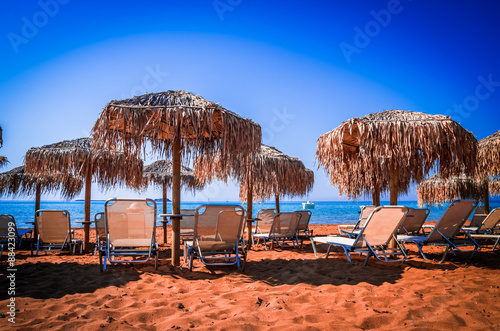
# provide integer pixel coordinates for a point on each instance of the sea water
(324, 212)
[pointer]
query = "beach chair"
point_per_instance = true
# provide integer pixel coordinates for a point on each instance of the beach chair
(445, 231)
(487, 229)
(100, 232)
(217, 236)
(478, 217)
(415, 219)
(303, 226)
(130, 228)
(54, 230)
(8, 229)
(283, 229)
(264, 222)
(487, 225)
(353, 230)
(374, 238)
(187, 224)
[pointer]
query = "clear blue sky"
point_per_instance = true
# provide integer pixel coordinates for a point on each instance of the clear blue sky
(298, 68)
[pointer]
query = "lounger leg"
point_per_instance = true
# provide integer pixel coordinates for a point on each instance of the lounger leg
(496, 244)
(328, 251)
(421, 252)
(314, 247)
(367, 257)
(445, 254)
(346, 253)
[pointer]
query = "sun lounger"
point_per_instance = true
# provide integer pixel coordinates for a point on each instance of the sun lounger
(303, 227)
(130, 231)
(187, 224)
(283, 229)
(54, 230)
(446, 229)
(264, 222)
(217, 236)
(488, 225)
(100, 232)
(373, 239)
(415, 219)
(478, 217)
(353, 230)
(487, 229)
(8, 229)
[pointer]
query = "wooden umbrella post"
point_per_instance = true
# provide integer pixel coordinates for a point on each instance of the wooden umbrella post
(249, 213)
(376, 197)
(486, 197)
(277, 198)
(37, 207)
(86, 213)
(164, 212)
(176, 200)
(394, 184)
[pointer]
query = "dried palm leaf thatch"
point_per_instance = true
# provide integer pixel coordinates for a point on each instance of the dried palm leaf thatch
(161, 118)
(439, 190)
(270, 171)
(160, 172)
(361, 153)
(3, 161)
(17, 182)
(489, 156)
(109, 168)
(494, 187)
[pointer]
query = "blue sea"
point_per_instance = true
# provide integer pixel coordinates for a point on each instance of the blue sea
(325, 212)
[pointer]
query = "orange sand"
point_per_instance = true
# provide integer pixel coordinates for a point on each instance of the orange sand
(282, 288)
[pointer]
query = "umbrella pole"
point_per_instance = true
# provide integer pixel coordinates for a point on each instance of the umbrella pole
(37, 207)
(277, 198)
(86, 215)
(486, 197)
(164, 212)
(394, 184)
(376, 197)
(249, 213)
(176, 200)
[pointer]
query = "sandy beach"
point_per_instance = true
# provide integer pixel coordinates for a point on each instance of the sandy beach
(281, 288)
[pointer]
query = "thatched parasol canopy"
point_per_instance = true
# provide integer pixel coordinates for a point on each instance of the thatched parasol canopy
(489, 156)
(18, 182)
(76, 157)
(176, 124)
(381, 149)
(108, 167)
(160, 173)
(494, 187)
(3, 159)
(160, 118)
(269, 172)
(438, 190)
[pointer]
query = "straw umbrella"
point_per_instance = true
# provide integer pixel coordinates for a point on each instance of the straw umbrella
(18, 182)
(260, 175)
(380, 149)
(489, 164)
(439, 190)
(3, 159)
(76, 157)
(160, 173)
(176, 124)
